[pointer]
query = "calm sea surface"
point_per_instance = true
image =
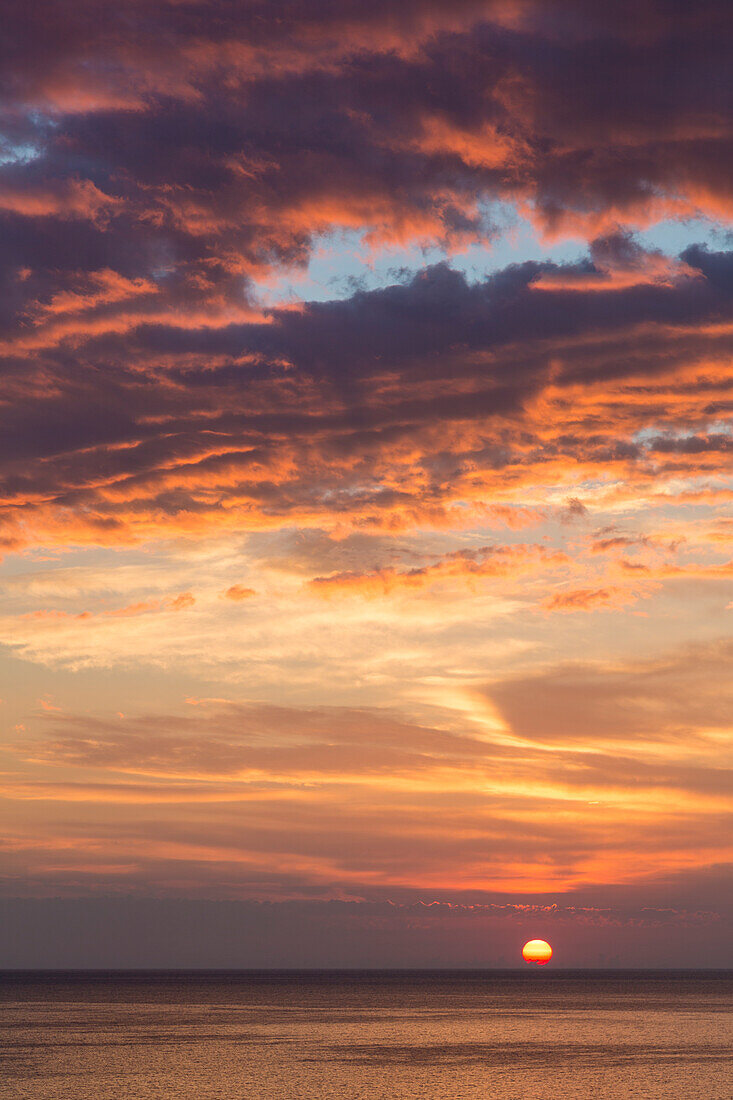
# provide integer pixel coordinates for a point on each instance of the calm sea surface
(223, 1036)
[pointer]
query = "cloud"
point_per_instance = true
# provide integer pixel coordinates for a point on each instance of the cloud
(377, 411)
(180, 603)
(175, 441)
(466, 566)
(573, 510)
(663, 697)
(590, 599)
(205, 149)
(239, 592)
(142, 607)
(593, 774)
(401, 123)
(618, 262)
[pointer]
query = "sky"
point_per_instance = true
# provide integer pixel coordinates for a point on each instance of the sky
(366, 483)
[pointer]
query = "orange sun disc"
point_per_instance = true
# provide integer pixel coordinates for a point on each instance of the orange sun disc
(537, 951)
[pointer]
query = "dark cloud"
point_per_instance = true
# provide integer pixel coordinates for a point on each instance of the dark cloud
(692, 444)
(276, 408)
(219, 139)
(573, 511)
(156, 162)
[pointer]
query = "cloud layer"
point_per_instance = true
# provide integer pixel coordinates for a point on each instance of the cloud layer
(442, 566)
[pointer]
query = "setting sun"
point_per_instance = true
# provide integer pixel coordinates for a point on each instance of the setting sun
(537, 951)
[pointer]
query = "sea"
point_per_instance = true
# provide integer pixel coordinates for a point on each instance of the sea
(536, 1034)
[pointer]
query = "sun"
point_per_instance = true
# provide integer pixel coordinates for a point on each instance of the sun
(537, 951)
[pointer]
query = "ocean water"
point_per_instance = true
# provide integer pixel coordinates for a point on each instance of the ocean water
(497, 1035)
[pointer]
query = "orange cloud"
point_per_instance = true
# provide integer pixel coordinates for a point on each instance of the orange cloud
(180, 603)
(239, 592)
(307, 782)
(77, 198)
(467, 566)
(141, 607)
(591, 599)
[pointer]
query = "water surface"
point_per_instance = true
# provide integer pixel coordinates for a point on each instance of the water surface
(504, 1035)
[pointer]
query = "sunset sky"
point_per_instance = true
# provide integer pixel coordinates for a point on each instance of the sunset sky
(366, 486)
